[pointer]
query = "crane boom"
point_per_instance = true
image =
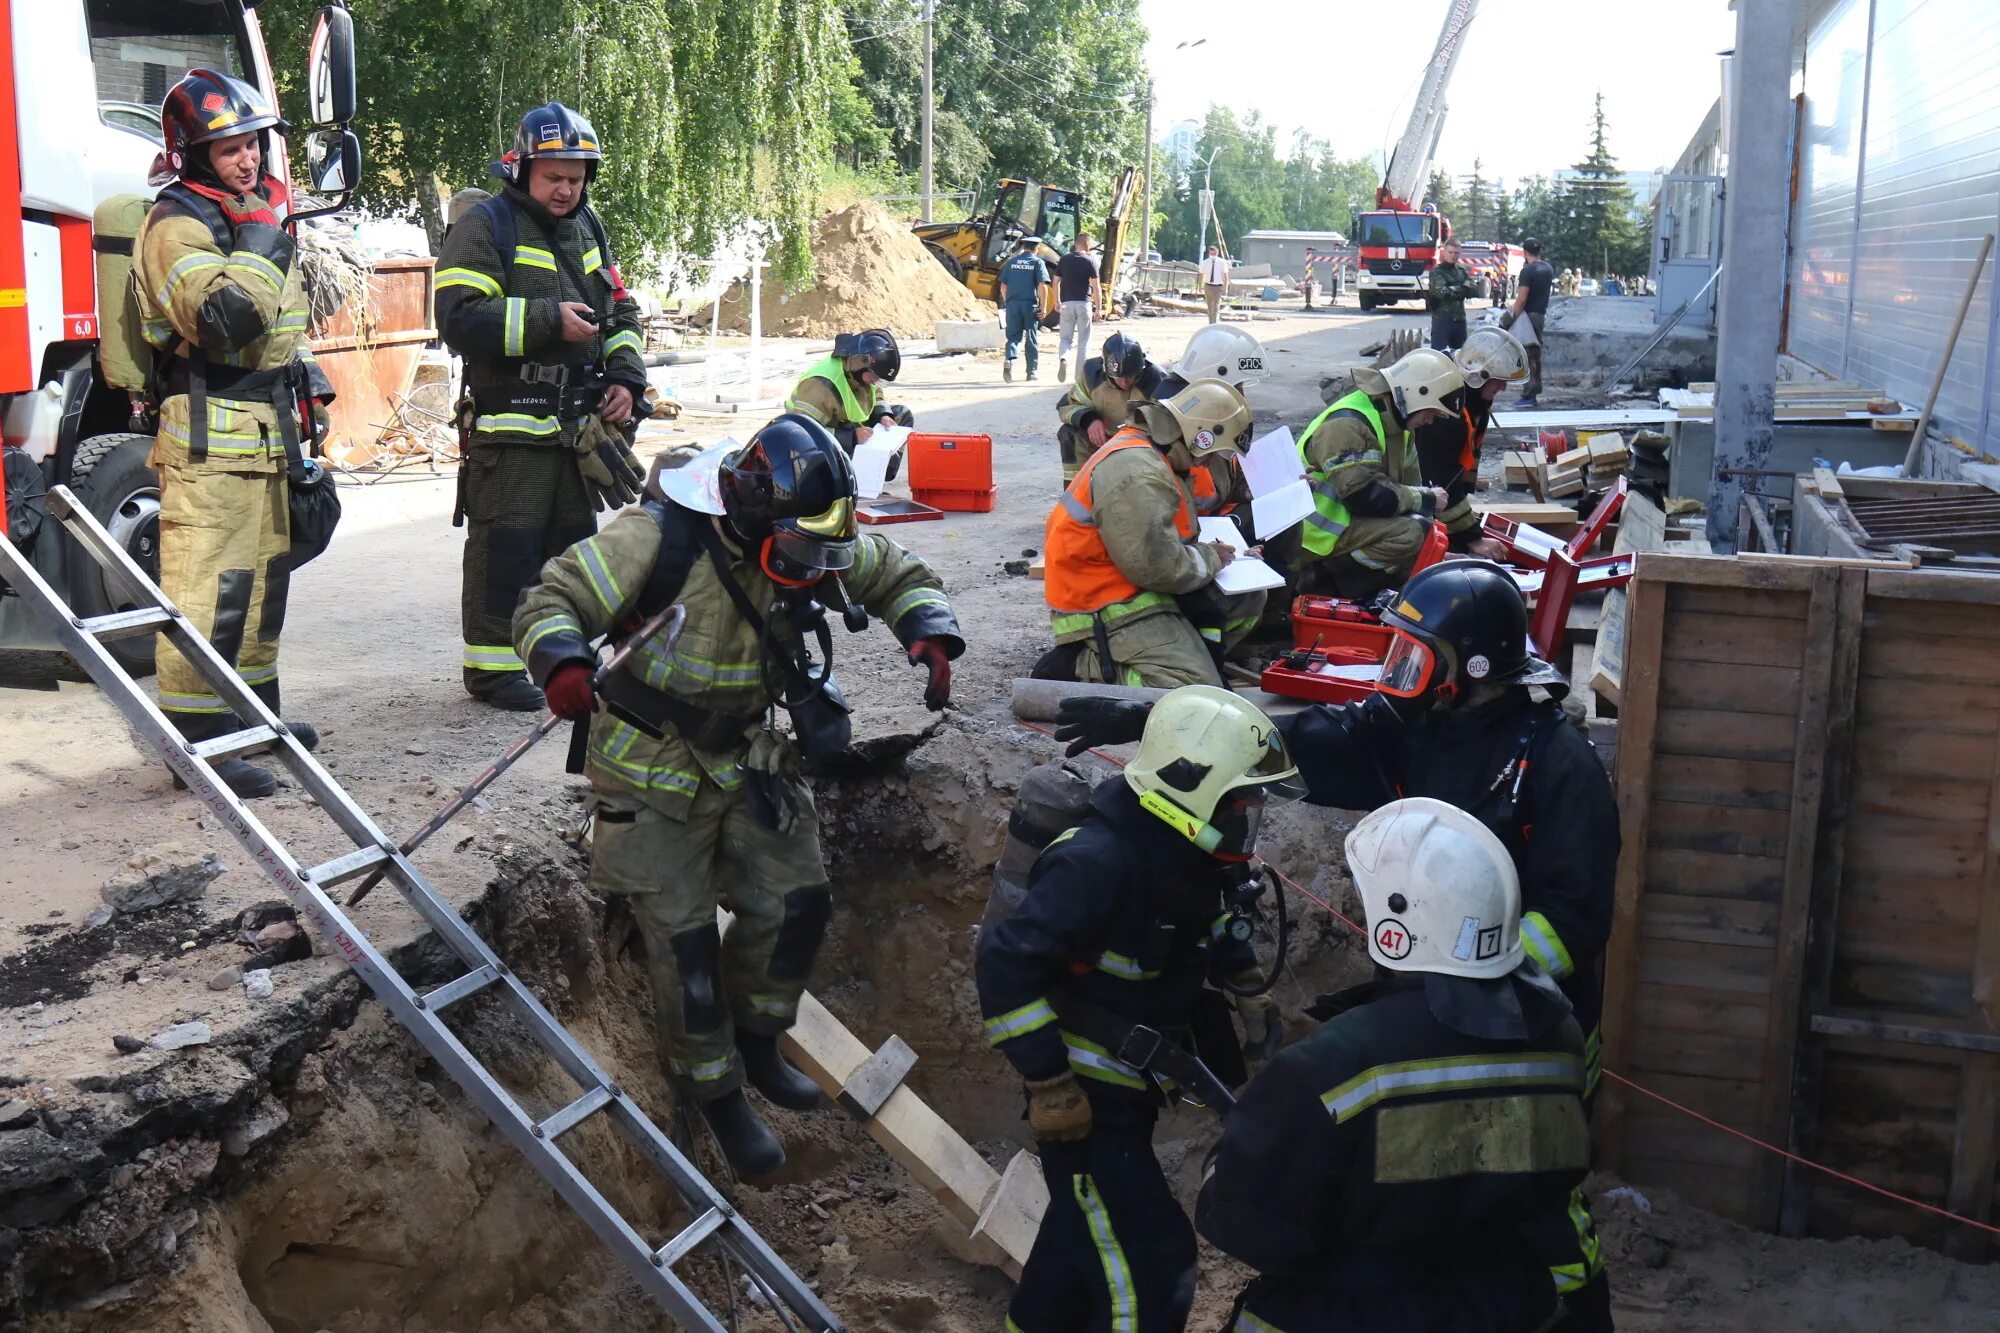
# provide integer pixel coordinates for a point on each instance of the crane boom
(1410, 165)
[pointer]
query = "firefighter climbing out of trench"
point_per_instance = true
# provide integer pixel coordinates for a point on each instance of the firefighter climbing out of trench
(529, 294)
(1401, 1167)
(843, 390)
(223, 305)
(695, 785)
(1099, 988)
(1130, 589)
(1371, 508)
(1466, 713)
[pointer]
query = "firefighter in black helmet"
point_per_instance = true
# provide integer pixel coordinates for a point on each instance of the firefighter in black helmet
(224, 308)
(843, 390)
(1468, 714)
(694, 781)
(529, 294)
(1100, 401)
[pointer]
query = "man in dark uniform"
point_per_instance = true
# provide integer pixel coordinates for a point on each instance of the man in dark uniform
(1531, 298)
(1106, 962)
(528, 294)
(1022, 279)
(1447, 286)
(1394, 1170)
(1468, 714)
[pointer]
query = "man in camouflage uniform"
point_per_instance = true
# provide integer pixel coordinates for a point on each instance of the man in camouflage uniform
(223, 305)
(555, 373)
(697, 795)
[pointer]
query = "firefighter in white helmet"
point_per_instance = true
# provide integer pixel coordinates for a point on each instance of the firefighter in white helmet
(1371, 508)
(1405, 1165)
(1097, 984)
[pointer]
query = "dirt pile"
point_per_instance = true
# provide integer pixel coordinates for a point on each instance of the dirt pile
(872, 272)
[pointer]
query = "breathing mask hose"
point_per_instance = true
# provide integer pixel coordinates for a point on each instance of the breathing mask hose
(1244, 905)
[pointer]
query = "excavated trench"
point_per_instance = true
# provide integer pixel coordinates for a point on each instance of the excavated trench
(317, 1171)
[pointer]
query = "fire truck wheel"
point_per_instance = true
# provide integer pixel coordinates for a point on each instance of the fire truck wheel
(111, 476)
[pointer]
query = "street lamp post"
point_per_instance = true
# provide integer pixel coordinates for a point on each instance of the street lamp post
(1207, 205)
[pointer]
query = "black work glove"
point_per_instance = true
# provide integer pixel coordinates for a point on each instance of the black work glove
(1093, 722)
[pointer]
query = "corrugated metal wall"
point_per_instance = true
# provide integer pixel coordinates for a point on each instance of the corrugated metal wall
(1900, 179)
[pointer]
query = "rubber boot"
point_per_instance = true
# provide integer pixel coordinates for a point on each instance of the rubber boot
(748, 1143)
(242, 777)
(773, 1075)
(516, 694)
(1007, 372)
(305, 733)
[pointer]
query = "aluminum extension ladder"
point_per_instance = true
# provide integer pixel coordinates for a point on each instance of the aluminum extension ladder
(715, 1219)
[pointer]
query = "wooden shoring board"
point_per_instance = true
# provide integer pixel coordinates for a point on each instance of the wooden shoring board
(1642, 527)
(1000, 1229)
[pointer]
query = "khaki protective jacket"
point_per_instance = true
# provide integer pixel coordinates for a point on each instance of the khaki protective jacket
(594, 587)
(243, 308)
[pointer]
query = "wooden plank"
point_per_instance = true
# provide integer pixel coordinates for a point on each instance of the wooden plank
(1014, 1214)
(1541, 514)
(1946, 661)
(1738, 602)
(1938, 800)
(1713, 875)
(1724, 1191)
(1674, 1137)
(1906, 1033)
(1741, 640)
(1811, 561)
(1731, 689)
(1814, 943)
(1743, 973)
(1960, 623)
(1660, 1049)
(1876, 932)
(1974, 1148)
(1638, 721)
(1730, 921)
(1923, 753)
(1721, 781)
(1888, 702)
(916, 1136)
(1642, 526)
(1701, 731)
(1736, 1016)
(1775, 573)
(1732, 829)
(1918, 988)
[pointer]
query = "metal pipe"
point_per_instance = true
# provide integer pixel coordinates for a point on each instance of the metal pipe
(1944, 363)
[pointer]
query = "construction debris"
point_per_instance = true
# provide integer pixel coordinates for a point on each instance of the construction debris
(869, 272)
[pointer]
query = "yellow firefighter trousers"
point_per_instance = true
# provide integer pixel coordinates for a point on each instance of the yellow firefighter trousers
(224, 539)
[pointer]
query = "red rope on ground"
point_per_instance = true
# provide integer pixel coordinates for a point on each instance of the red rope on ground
(1639, 1088)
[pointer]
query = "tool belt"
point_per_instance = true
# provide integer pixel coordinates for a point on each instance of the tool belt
(197, 377)
(565, 392)
(1154, 1051)
(655, 712)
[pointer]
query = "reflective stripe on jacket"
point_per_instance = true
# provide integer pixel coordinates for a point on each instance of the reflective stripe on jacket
(1083, 580)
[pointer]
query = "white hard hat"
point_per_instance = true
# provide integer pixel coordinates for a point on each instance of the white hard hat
(1208, 762)
(1440, 891)
(1212, 416)
(1491, 353)
(1222, 353)
(1422, 380)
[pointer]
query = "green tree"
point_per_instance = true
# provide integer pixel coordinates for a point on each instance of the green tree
(1444, 195)
(1475, 221)
(712, 112)
(1603, 234)
(1248, 179)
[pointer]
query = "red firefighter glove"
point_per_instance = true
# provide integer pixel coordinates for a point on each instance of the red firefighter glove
(930, 654)
(569, 692)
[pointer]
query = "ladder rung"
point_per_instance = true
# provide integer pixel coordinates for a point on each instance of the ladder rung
(357, 862)
(127, 624)
(697, 1231)
(236, 742)
(563, 1121)
(453, 991)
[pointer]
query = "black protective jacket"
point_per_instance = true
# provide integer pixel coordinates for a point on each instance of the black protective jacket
(1124, 913)
(1556, 813)
(1388, 1172)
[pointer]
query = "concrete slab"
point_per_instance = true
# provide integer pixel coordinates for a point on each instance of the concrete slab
(954, 335)
(1601, 333)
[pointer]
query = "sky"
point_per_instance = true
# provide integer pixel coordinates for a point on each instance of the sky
(1520, 99)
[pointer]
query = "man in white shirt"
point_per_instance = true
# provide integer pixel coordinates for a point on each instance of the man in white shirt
(1214, 281)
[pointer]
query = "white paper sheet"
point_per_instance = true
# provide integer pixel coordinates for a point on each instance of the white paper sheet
(1280, 509)
(871, 460)
(1273, 463)
(1246, 573)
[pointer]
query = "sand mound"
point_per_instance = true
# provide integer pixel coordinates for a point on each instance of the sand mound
(872, 273)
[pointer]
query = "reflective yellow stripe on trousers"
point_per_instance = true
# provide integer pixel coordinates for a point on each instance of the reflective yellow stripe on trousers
(1117, 1273)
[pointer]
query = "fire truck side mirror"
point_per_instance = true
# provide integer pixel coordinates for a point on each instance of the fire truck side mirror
(330, 68)
(333, 157)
